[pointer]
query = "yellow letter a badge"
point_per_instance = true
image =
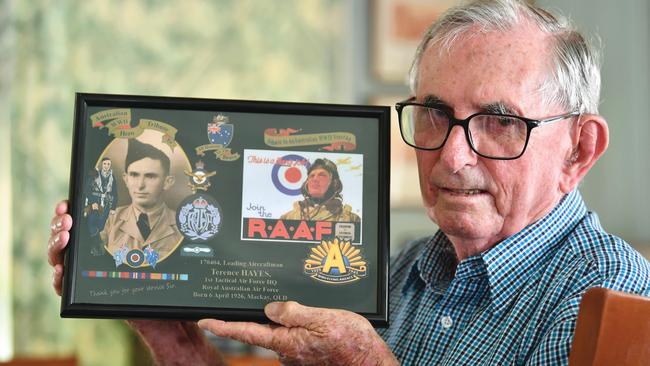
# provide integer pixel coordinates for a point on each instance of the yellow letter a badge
(335, 262)
(334, 259)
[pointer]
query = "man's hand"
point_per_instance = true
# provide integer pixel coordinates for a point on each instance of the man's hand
(176, 343)
(170, 342)
(310, 336)
(59, 236)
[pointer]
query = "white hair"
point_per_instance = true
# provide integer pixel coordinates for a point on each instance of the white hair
(574, 79)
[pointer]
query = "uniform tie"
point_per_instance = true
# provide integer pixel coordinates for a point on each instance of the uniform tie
(143, 225)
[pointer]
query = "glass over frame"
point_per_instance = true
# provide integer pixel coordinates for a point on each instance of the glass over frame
(491, 135)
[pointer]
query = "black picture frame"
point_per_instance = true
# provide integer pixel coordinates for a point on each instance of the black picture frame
(230, 238)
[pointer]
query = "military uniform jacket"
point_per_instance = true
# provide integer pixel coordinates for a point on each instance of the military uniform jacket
(322, 212)
(121, 228)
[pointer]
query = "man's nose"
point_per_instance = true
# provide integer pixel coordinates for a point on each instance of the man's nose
(457, 153)
(141, 182)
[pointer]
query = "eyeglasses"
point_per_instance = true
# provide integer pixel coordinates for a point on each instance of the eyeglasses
(490, 135)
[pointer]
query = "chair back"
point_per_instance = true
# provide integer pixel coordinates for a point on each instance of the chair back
(613, 328)
(66, 361)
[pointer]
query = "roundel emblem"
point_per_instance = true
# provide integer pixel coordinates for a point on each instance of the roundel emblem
(289, 173)
(135, 258)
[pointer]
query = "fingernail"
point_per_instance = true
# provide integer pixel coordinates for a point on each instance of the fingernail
(53, 226)
(56, 240)
(203, 323)
(272, 308)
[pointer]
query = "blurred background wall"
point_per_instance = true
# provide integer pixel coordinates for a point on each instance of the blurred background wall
(329, 51)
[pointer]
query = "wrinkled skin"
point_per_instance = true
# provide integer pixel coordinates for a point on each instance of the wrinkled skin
(176, 342)
(304, 336)
(478, 202)
(310, 336)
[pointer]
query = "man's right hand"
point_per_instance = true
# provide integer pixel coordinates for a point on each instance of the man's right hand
(59, 236)
(170, 342)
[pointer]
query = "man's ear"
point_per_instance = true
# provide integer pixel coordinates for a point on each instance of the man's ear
(169, 182)
(589, 137)
(124, 176)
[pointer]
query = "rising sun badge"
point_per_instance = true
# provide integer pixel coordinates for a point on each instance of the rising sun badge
(335, 262)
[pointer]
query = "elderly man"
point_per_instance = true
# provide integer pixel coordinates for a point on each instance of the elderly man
(504, 120)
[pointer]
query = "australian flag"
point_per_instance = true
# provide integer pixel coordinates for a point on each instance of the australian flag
(120, 255)
(220, 133)
(152, 256)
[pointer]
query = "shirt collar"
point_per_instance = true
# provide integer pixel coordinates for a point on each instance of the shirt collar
(152, 217)
(435, 264)
(510, 262)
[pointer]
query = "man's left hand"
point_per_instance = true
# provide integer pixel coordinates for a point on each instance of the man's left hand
(310, 336)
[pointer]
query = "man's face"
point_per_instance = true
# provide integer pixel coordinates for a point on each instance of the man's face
(106, 165)
(146, 181)
(480, 201)
(318, 182)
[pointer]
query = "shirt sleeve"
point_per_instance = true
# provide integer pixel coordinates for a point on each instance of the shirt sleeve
(114, 194)
(554, 346)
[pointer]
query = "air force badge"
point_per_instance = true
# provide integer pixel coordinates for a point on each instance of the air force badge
(199, 177)
(197, 250)
(199, 217)
(135, 257)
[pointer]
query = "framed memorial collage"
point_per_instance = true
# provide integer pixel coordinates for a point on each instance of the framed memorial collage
(192, 208)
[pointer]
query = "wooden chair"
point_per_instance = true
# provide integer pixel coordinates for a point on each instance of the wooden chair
(67, 361)
(613, 328)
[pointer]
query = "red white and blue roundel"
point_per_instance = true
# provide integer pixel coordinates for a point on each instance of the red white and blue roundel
(135, 258)
(289, 173)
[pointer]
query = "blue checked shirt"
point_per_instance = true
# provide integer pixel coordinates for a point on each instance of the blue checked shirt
(515, 304)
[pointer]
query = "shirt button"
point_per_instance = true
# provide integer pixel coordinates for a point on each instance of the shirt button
(446, 322)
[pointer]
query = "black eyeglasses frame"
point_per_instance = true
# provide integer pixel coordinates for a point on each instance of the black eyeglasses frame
(464, 123)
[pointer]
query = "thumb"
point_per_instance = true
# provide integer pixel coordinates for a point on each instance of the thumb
(292, 314)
